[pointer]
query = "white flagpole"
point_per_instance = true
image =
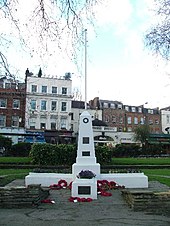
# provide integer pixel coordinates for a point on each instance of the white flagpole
(85, 70)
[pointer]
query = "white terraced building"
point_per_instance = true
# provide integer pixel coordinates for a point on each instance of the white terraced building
(48, 103)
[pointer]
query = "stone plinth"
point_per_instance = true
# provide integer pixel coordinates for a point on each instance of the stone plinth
(84, 188)
(47, 179)
(129, 180)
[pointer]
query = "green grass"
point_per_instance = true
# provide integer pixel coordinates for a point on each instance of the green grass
(158, 175)
(140, 161)
(115, 161)
(164, 172)
(12, 174)
(15, 160)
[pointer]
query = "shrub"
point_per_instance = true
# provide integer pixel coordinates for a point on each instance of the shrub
(21, 149)
(64, 154)
(103, 154)
(5, 143)
(127, 150)
(52, 154)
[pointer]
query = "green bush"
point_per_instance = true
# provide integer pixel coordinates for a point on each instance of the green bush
(5, 143)
(21, 149)
(127, 150)
(52, 154)
(104, 154)
(64, 154)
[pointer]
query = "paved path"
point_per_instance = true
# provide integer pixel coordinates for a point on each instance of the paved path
(105, 211)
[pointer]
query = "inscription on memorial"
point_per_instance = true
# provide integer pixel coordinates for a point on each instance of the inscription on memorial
(85, 153)
(84, 190)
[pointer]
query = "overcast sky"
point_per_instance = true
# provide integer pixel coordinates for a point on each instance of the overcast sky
(119, 67)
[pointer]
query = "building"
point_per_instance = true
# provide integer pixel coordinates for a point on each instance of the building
(125, 118)
(48, 105)
(165, 115)
(12, 108)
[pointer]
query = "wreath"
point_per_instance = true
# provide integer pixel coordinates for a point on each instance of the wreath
(62, 183)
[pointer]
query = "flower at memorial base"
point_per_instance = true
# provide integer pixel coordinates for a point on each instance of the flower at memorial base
(62, 183)
(78, 199)
(86, 174)
(48, 201)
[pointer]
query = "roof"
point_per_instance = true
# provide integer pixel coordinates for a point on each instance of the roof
(97, 122)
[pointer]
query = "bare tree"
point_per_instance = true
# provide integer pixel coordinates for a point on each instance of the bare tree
(50, 24)
(158, 37)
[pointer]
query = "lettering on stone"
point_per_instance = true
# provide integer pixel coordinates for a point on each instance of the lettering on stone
(84, 190)
(85, 140)
(85, 153)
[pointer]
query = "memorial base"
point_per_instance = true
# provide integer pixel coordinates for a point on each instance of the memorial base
(84, 188)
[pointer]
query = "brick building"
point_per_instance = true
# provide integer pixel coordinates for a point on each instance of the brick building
(125, 118)
(12, 103)
(12, 106)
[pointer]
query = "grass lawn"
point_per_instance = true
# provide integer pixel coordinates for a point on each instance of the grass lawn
(12, 174)
(24, 160)
(115, 161)
(140, 161)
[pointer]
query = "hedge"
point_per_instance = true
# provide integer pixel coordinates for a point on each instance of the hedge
(64, 154)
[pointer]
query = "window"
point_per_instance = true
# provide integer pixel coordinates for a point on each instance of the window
(63, 123)
(129, 120)
(33, 104)
(150, 122)
(54, 89)
(64, 90)
(120, 119)
(72, 116)
(3, 103)
(142, 121)
(42, 126)
(120, 129)
(156, 121)
(139, 109)
(44, 89)
(168, 119)
(7, 85)
(53, 125)
(114, 119)
(2, 120)
(112, 106)
(119, 106)
(16, 104)
(135, 120)
(63, 106)
(129, 129)
(133, 109)
(105, 105)
(106, 118)
(15, 121)
(127, 108)
(53, 105)
(43, 105)
(34, 88)
(32, 127)
(150, 111)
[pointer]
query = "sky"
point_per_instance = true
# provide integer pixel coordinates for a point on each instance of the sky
(119, 66)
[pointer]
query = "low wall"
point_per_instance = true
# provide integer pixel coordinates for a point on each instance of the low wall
(154, 202)
(22, 196)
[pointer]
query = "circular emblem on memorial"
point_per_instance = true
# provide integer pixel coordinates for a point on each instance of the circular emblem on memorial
(85, 120)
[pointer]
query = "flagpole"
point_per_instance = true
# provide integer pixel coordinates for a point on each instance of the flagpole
(85, 69)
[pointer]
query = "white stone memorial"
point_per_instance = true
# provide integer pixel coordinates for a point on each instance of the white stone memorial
(86, 160)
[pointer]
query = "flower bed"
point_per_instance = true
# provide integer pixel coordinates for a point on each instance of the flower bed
(102, 189)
